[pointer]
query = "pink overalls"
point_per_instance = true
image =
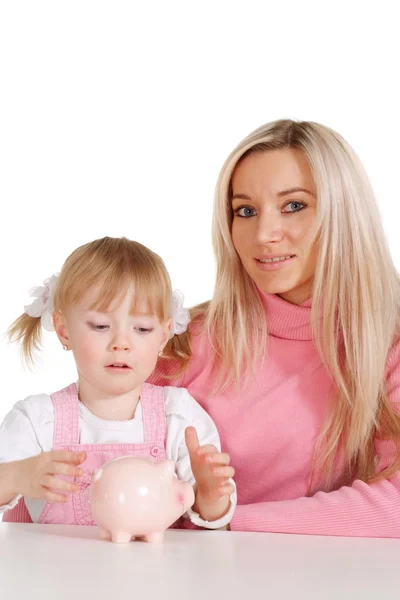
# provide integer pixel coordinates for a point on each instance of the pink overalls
(66, 437)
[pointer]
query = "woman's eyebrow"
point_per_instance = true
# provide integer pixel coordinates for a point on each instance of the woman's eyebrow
(240, 197)
(293, 190)
(280, 194)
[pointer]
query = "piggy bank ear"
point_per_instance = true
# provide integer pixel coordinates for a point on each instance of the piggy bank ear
(97, 474)
(166, 469)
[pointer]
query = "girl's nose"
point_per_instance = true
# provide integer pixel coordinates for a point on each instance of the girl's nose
(120, 342)
(122, 346)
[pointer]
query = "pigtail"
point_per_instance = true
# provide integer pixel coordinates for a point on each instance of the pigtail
(176, 356)
(28, 331)
(178, 351)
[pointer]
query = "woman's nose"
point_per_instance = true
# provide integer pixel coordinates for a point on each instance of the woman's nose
(269, 229)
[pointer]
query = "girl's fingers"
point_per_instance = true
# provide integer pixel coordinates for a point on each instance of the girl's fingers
(192, 440)
(64, 456)
(61, 468)
(226, 490)
(207, 449)
(218, 458)
(53, 497)
(225, 472)
(55, 483)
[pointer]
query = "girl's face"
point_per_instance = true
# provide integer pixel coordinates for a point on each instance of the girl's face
(114, 351)
(274, 217)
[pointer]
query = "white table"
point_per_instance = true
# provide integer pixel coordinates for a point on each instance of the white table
(70, 563)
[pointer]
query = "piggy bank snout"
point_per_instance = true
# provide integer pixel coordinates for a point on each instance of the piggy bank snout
(186, 495)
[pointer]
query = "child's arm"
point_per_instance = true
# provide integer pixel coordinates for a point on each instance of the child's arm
(214, 506)
(35, 477)
(213, 475)
(8, 493)
(25, 470)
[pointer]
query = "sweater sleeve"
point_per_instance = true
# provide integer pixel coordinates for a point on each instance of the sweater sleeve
(359, 510)
(363, 510)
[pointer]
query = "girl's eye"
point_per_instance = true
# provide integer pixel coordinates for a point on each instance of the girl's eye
(244, 211)
(98, 327)
(144, 330)
(294, 207)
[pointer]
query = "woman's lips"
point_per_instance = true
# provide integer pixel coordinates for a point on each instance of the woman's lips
(274, 262)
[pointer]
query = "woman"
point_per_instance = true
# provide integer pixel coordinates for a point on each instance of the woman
(296, 357)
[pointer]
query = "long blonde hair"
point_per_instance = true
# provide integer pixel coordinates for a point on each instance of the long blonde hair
(356, 288)
(113, 264)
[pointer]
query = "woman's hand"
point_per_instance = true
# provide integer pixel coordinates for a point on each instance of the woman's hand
(212, 472)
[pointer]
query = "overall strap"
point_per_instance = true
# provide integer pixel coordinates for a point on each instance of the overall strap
(66, 416)
(153, 410)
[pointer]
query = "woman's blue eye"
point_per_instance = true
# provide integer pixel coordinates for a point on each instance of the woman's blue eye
(294, 207)
(244, 212)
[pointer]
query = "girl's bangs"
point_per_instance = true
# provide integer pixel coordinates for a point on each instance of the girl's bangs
(114, 266)
(149, 294)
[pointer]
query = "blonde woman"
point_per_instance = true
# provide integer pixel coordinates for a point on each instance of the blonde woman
(296, 358)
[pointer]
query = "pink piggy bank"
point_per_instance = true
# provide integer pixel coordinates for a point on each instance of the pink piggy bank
(134, 497)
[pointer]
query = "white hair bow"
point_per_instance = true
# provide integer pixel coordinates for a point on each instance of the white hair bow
(43, 305)
(180, 316)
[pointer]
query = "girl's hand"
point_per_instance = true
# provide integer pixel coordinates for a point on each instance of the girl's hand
(212, 472)
(35, 477)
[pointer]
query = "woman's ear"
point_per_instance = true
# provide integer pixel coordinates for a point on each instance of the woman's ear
(60, 327)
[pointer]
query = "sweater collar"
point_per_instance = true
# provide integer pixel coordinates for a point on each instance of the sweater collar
(285, 320)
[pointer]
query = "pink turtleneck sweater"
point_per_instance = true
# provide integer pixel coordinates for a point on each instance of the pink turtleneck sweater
(269, 430)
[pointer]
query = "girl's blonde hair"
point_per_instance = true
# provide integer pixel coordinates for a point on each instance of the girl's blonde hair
(112, 264)
(356, 288)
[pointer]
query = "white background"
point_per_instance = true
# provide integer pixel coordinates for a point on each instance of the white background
(115, 118)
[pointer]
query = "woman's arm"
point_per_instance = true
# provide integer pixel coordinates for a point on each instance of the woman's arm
(364, 510)
(359, 510)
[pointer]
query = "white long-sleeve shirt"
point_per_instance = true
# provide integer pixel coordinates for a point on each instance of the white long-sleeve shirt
(28, 429)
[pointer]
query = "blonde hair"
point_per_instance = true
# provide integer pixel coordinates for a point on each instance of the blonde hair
(113, 264)
(356, 288)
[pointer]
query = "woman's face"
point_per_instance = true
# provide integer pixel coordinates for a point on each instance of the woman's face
(274, 218)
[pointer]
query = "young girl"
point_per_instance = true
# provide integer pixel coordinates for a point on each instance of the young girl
(110, 306)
